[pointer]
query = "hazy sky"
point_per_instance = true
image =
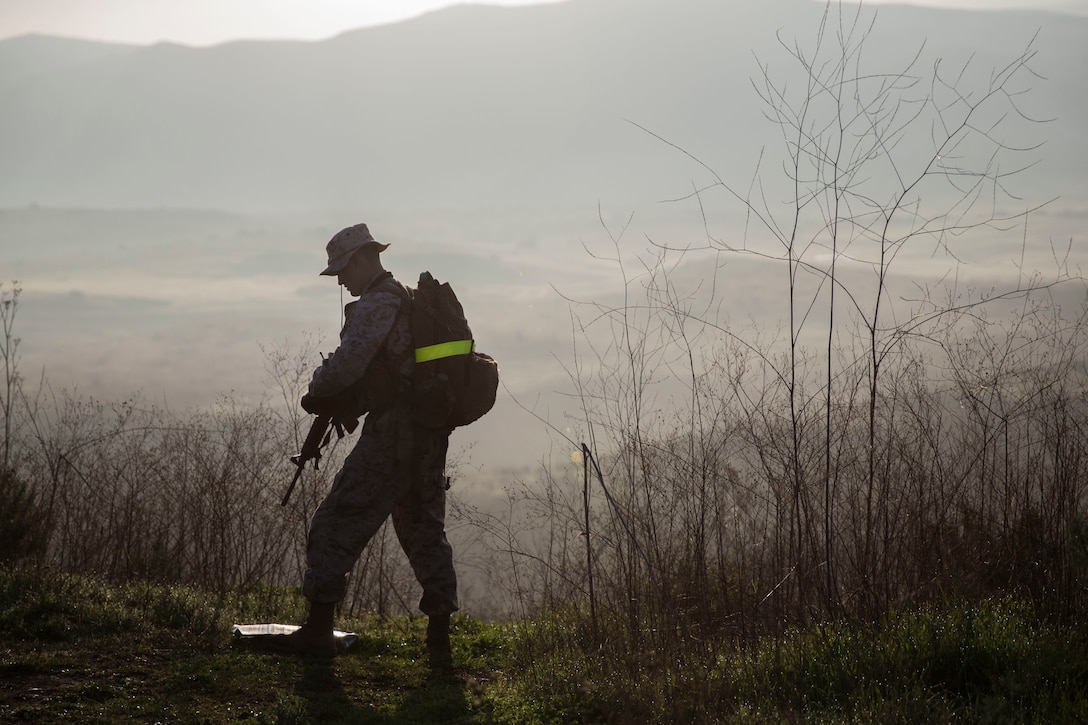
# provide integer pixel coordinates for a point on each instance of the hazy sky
(207, 22)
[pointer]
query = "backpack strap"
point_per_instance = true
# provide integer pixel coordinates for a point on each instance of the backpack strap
(379, 279)
(385, 282)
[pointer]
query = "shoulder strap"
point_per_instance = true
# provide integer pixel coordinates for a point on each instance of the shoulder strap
(379, 279)
(385, 282)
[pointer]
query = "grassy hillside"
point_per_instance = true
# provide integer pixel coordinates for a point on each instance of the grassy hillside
(77, 650)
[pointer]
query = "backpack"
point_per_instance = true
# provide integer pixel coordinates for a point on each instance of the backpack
(453, 384)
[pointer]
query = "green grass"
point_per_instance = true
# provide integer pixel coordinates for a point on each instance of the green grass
(993, 661)
(74, 649)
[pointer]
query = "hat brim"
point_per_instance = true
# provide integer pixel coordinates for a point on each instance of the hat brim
(342, 261)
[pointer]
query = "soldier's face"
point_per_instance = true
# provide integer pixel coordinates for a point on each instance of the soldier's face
(356, 274)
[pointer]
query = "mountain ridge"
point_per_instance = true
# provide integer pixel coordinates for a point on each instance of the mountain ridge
(470, 104)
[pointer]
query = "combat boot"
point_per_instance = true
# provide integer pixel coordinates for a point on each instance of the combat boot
(437, 645)
(315, 638)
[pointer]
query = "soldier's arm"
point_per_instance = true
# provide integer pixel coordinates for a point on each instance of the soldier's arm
(364, 330)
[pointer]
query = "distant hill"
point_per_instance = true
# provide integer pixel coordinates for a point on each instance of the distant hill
(469, 106)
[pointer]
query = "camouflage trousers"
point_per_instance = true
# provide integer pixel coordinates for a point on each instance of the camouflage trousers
(394, 470)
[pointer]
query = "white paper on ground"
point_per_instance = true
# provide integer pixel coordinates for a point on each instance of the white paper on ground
(251, 630)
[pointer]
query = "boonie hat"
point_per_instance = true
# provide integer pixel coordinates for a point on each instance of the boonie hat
(347, 242)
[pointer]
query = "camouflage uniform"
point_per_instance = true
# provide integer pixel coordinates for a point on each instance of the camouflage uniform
(396, 469)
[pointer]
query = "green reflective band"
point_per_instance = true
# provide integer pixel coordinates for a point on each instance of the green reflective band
(443, 349)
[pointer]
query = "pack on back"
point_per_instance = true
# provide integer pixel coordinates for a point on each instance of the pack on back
(452, 383)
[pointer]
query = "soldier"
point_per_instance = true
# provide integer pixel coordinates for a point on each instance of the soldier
(396, 468)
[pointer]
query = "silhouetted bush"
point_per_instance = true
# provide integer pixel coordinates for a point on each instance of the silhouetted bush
(24, 530)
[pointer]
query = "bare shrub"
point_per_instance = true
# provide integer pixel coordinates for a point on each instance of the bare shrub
(131, 490)
(140, 492)
(899, 440)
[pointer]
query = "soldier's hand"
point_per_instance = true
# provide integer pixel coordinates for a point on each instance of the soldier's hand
(313, 404)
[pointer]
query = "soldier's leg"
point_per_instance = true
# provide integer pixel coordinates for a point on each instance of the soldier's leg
(419, 519)
(363, 494)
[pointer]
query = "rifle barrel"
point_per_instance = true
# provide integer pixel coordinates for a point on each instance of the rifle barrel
(298, 473)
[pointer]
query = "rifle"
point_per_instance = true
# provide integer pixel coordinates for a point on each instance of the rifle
(316, 439)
